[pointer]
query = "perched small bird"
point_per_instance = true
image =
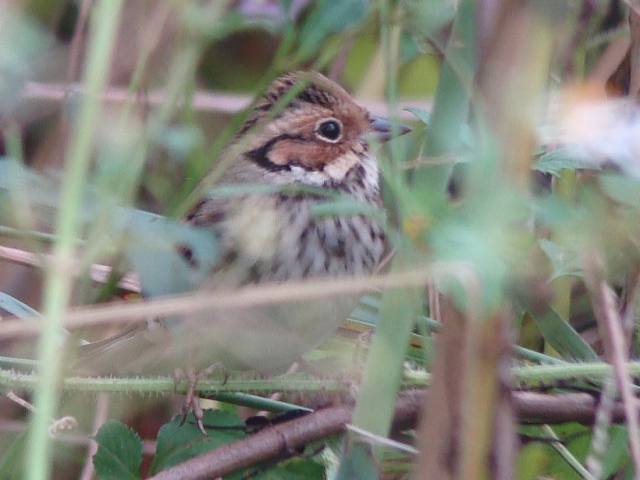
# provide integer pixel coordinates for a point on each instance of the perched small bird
(320, 138)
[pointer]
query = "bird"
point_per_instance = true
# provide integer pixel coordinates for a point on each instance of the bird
(305, 132)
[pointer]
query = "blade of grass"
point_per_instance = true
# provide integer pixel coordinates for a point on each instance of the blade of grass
(383, 372)
(561, 336)
(566, 454)
(58, 282)
(16, 307)
(451, 101)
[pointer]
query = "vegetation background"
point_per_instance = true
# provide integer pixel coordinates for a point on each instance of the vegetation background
(500, 342)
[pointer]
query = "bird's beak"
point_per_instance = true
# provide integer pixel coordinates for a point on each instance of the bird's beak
(383, 130)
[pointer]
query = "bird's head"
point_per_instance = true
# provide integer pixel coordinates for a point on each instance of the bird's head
(308, 129)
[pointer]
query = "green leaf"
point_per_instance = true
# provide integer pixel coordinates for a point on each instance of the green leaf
(16, 307)
(467, 136)
(425, 18)
(555, 161)
(617, 451)
(622, 189)
(154, 247)
(562, 336)
(565, 262)
(180, 140)
(532, 461)
(178, 443)
(566, 462)
(358, 464)
(24, 51)
(327, 17)
(294, 469)
(119, 454)
(346, 206)
(421, 114)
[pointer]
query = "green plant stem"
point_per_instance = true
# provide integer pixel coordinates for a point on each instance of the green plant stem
(58, 281)
(237, 386)
(383, 372)
(11, 232)
(451, 100)
(565, 187)
(222, 390)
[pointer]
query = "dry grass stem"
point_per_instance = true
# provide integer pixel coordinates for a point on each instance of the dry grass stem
(209, 101)
(611, 329)
(268, 294)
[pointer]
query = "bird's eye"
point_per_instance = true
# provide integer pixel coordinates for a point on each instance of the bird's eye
(329, 130)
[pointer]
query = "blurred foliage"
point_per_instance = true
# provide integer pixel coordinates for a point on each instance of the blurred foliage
(525, 242)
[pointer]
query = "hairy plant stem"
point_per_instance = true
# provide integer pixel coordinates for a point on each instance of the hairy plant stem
(243, 383)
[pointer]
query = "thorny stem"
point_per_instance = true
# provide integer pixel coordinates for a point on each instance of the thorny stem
(524, 376)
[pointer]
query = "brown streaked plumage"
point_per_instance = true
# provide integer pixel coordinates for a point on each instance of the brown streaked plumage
(319, 138)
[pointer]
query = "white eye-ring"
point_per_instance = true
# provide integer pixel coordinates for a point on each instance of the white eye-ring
(329, 129)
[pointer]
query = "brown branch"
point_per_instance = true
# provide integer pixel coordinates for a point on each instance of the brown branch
(634, 49)
(222, 102)
(281, 440)
(611, 329)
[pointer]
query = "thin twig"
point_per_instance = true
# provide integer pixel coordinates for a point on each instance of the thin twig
(381, 441)
(611, 329)
(19, 400)
(209, 101)
(284, 438)
(252, 296)
(600, 436)
(628, 310)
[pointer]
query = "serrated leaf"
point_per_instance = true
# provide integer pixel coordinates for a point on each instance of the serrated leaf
(562, 336)
(554, 161)
(357, 464)
(178, 443)
(119, 454)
